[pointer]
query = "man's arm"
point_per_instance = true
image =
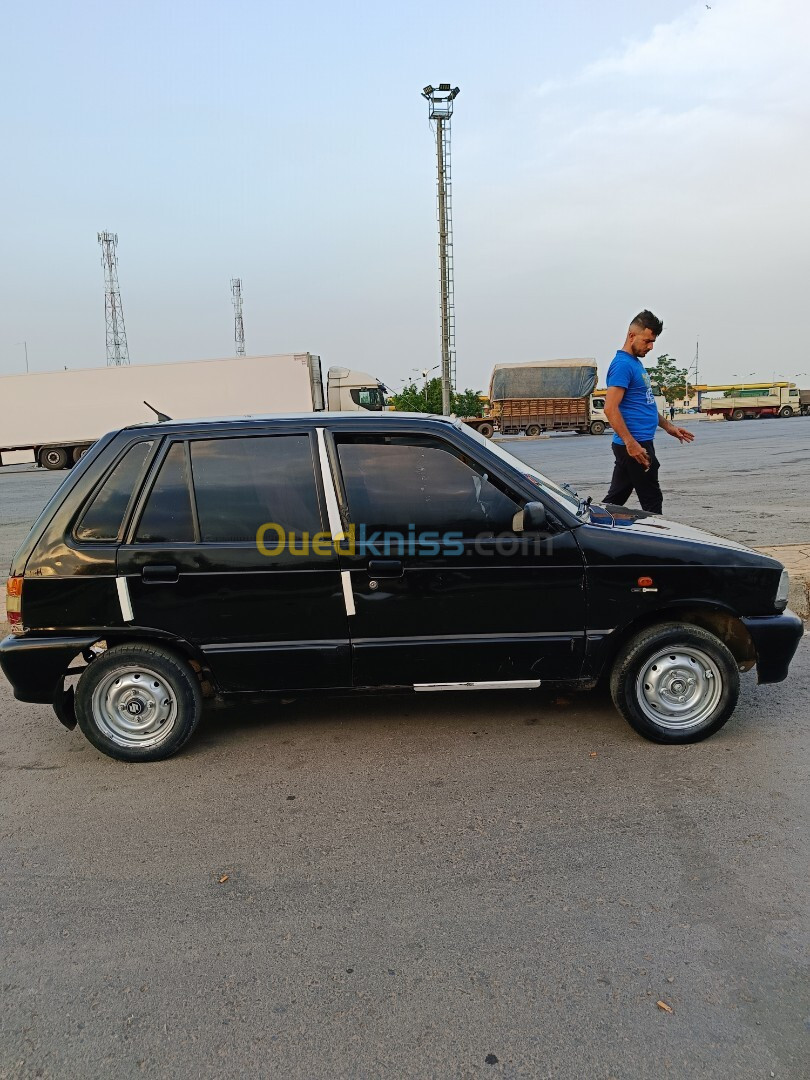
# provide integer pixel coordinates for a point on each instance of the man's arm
(613, 398)
(679, 433)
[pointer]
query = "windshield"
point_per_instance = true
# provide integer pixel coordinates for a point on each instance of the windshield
(566, 498)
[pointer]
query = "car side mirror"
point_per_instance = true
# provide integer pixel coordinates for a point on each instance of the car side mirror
(532, 518)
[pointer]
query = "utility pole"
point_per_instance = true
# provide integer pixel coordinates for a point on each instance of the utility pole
(238, 323)
(440, 102)
(117, 349)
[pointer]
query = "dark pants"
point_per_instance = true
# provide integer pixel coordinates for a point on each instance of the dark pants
(629, 475)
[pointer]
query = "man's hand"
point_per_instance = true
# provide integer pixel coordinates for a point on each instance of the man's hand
(679, 433)
(637, 452)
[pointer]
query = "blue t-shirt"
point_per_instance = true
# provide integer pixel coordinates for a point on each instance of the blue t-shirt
(637, 407)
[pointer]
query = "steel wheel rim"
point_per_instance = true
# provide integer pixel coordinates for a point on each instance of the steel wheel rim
(135, 707)
(679, 688)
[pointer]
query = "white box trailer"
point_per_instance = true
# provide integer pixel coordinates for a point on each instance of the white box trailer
(53, 417)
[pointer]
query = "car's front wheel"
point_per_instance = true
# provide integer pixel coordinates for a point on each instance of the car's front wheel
(138, 702)
(675, 683)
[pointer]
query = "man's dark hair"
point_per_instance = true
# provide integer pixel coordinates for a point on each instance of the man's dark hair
(645, 320)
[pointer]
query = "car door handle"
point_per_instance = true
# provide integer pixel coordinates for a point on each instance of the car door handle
(155, 573)
(385, 568)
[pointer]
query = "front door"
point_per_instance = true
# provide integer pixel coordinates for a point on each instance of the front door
(266, 609)
(445, 589)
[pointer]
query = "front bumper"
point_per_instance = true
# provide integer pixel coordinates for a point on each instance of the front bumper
(776, 639)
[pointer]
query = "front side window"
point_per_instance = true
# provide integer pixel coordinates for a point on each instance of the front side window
(241, 484)
(104, 516)
(167, 516)
(398, 482)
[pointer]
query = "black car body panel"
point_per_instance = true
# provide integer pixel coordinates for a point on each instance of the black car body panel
(549, 606)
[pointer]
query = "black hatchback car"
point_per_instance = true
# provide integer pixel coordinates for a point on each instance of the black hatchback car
(333, 552)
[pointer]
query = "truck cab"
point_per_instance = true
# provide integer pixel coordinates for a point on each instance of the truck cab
(353, 391)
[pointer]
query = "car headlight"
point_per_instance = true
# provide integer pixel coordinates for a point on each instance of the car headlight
(782, 590)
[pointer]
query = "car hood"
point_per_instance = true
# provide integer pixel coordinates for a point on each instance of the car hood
(639, 523)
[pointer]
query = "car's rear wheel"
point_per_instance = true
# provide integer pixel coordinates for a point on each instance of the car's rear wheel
(738, 414)
(487, 430)
(138, 702)
(532, 430)
(675, 683)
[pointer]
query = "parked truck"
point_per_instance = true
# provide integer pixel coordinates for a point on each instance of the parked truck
(52, 418)
(778, 401)
(545, 395)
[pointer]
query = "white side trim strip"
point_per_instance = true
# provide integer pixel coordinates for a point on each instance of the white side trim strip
(506, 684)
(348, 595)
(124, 600)
(333, 513)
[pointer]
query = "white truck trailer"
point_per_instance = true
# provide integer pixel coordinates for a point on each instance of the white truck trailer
(52, 418)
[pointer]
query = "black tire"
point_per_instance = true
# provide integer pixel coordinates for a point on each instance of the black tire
(738, 414)
(138, 674)
(54, 458)
(78, 453)
(785, 412)
(532, 430)
(597, 427)
(487, 430)
(672, 654)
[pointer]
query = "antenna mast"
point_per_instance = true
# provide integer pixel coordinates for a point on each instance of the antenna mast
(117, 349)
(440, 102)
(238, 323)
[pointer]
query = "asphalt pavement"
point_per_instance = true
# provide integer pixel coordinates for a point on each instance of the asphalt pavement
(470, 885)
(747, 480)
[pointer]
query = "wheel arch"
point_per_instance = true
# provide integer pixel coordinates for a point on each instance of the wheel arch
(724, 623)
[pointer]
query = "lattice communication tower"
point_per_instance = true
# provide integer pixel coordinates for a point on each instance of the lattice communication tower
(117, 348)
(238, 321)
(440, 102)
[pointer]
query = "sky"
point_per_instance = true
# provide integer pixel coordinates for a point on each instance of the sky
(606, 157)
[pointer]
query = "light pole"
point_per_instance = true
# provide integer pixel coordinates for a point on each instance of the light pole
(440, 101)
(744, 376)
(424, 372)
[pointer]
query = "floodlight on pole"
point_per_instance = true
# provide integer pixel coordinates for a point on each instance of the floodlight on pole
(440, 102)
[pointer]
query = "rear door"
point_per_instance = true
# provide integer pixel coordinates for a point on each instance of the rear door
(221, 552)
(445, 590)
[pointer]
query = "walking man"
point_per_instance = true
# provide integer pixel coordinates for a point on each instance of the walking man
(634, 417)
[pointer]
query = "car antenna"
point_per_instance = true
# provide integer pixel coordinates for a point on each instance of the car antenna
(160, 415)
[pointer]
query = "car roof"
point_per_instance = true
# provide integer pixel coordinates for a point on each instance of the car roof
(315, 419)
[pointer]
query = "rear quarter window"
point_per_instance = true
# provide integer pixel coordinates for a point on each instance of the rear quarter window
(103, 518)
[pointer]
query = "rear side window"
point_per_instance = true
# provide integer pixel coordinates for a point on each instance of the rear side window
(241, 484)
(104, 516)
(167, 515)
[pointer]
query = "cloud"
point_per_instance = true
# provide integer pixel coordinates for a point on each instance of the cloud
(740, 49)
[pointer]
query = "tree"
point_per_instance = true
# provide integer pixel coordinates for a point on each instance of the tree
(667, 378)
(428, 398)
